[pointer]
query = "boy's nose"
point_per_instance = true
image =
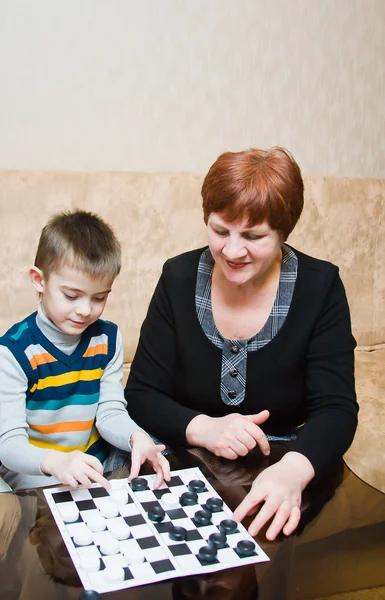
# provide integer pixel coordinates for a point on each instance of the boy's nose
(83, 308)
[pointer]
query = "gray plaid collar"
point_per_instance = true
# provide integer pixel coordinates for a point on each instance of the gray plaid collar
(234, 352)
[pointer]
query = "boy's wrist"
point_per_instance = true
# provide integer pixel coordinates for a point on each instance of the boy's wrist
(46, 462)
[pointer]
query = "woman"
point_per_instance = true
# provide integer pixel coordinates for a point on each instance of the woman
(248, 340)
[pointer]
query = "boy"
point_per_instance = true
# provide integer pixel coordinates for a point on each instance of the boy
(61, 395)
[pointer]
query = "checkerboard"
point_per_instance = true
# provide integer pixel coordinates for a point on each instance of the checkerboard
(162, 557)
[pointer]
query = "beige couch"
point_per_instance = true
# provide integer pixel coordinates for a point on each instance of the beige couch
(159, 215)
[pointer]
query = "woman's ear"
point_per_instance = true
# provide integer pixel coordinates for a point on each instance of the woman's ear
(37, 279)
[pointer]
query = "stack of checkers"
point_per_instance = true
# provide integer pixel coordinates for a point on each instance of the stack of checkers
(131, 535)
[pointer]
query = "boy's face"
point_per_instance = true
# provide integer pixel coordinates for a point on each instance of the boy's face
(71, 299)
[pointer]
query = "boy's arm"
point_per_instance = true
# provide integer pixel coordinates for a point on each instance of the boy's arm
(112, 419)
(16, 453)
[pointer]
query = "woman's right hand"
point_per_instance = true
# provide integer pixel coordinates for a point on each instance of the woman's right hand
(230, 436)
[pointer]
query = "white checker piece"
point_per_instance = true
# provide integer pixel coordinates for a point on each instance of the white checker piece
(147, 541)
(73, 528)
(117, 560)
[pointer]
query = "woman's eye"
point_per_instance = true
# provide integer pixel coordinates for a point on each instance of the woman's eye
(251, 236)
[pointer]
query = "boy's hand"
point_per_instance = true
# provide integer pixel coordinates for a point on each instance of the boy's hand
(73, 468)
(143, 448)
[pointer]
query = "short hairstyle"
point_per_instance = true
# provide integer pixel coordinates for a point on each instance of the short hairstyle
(259, 185)
(81, 240)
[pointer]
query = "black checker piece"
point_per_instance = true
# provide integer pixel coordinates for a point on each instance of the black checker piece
(197, 486)
(148, 542)
(135, 520)
(245, 548)
(204, 563)
(156, 514)
(228, 526)
(98, 492)
(161, 566)
(62, 497)
(180, 550)
(139, 484)
(177, 534)
(86, 504)
(175, 480)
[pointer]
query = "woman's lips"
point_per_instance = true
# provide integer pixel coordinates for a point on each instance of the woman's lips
(236, 266)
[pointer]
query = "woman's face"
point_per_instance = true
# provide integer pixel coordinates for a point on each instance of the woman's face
(243, 254)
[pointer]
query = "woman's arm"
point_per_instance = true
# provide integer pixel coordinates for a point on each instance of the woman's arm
(150, 387)
(332, 405)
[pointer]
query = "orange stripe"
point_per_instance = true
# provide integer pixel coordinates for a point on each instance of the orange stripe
(98, 349)
(41, 359)
(65, 426)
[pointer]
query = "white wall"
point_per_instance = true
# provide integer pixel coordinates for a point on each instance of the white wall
(170, 84)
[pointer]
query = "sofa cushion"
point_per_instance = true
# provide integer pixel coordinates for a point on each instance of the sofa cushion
(366, 456)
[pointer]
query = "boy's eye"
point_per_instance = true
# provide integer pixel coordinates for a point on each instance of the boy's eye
(69, 297)
(221, 232)
(100, 299)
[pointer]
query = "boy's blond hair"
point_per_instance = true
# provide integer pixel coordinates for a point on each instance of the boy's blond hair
(81, 240)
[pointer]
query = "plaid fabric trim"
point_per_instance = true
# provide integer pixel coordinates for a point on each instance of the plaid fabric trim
(234, 352)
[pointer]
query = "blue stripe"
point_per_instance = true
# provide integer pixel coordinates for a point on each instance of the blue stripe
(20, 331)
(75, 400)
(100, 449)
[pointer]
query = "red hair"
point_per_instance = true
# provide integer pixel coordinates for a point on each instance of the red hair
(259, 185)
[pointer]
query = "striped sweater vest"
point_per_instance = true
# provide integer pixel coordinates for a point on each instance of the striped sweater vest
(63, 391)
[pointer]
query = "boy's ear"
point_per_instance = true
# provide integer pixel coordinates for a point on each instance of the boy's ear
(37, 279)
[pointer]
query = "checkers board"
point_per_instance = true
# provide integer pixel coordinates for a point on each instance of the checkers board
(123, 538)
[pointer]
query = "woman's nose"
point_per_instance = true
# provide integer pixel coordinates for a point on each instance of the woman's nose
(234, 248)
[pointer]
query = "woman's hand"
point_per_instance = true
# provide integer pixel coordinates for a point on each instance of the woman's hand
(230, 436)
(279, 488)
(143, 448)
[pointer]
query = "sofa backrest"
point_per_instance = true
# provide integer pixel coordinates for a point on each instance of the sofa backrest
(158, 215)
